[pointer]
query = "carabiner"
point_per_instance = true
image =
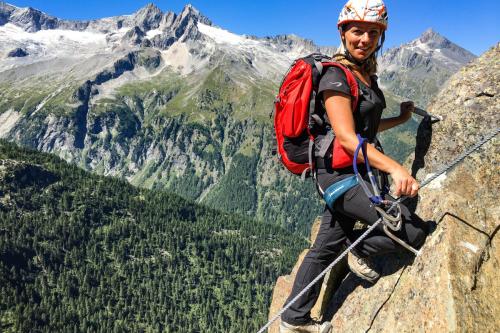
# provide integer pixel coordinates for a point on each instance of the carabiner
(391, 220)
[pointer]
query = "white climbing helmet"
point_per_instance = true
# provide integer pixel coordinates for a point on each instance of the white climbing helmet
(364, 11)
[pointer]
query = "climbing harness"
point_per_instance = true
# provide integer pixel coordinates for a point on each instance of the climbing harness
(337, 189)
(391, 218)
(374, 225)
(377, 197)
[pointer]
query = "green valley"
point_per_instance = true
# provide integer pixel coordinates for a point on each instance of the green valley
(86, 253)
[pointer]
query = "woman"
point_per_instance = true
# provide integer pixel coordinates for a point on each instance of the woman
(362, 25)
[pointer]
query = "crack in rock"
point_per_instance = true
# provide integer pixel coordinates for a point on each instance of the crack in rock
(375, 315)
(483, 257)
(485, 94)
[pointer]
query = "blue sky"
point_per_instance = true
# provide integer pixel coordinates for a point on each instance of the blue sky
(472, 24)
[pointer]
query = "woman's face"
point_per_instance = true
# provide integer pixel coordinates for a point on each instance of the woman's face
(361, 39)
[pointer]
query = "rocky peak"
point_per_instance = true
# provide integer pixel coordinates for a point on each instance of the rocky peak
(17, 53)
(33, 20)
(168, 19)
(148, 17)
(431, 36)
(430, 45)
(429, 61)
(134, 36)
(290, 43)
(5, 7)
(5, 12)
(431, 41)
(184, 27)
(191, 13)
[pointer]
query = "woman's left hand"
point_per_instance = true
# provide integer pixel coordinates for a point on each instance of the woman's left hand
(406, 109)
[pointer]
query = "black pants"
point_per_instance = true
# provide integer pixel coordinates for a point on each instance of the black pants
(336, 229)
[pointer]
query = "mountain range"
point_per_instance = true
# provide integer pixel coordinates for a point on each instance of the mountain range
(172, 101)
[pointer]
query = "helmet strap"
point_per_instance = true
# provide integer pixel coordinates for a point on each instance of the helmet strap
(382, 40)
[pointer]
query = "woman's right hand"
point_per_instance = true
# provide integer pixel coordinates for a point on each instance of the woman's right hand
(404, 183)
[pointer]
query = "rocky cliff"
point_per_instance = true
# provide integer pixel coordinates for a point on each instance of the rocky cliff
(453, 285)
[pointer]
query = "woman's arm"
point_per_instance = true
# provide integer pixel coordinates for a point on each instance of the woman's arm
(339, 111)
(406, 109)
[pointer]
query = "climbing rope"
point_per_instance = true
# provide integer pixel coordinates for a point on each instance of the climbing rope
(374, 225)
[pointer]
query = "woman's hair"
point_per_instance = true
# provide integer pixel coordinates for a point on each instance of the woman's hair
(369, 65)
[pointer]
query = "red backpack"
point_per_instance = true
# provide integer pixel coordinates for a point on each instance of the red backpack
(294, 115)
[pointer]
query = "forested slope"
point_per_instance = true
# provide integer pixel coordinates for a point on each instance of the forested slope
(84, 253)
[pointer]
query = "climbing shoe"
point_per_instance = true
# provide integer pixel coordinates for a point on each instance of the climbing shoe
(362, 267)
(311, 327)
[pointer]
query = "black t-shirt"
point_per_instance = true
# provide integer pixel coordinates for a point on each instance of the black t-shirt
(370, 105)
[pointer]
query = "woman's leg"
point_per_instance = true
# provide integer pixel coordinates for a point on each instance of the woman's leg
(356, 205)
(328, 244)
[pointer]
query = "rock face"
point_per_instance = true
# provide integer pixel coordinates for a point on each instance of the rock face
(18, 52)
(288, 43)
(452, 286)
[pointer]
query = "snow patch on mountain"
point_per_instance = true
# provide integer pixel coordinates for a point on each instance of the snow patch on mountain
(51, 42)
(260, 55)
(155, 32)
(223, 36)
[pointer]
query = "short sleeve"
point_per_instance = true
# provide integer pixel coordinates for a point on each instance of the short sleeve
(334, 79)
